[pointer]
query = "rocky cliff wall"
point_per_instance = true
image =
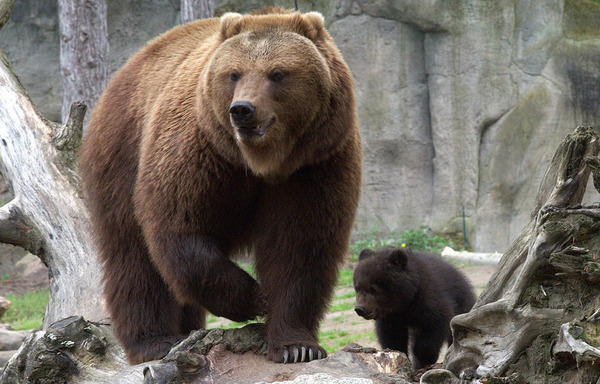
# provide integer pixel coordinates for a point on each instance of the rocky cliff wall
(461, 102)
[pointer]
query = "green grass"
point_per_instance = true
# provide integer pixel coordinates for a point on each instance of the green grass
(345, 277)
(26, 311)
(347, 295)
(335, 340)
(344, 306)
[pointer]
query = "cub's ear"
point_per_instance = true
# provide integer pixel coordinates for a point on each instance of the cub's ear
(316, 24)
(399, 257)
(365, 254)
(230, 25)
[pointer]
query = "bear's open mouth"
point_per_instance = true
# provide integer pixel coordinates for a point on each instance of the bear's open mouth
(255, 130)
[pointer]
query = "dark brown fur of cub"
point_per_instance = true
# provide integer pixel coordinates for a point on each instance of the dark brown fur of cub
(405, 290)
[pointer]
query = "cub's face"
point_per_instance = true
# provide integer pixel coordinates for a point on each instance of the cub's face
(382, 283)
(267, 88)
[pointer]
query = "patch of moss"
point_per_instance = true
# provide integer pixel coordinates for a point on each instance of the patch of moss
(591, 333)
(581, 19)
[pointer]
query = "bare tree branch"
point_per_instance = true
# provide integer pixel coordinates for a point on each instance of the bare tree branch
(68, 136)
(15, 229)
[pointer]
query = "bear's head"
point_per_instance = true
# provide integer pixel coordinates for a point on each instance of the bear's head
(383, 282)
(269, 82)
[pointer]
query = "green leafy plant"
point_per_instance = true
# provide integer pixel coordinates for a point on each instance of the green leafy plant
(421, 239)
(424, 240)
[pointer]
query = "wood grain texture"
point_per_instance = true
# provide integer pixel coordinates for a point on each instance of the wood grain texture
(47, 216)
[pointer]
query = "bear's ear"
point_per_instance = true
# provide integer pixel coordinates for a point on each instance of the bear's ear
(399, 257)
(316, 24)
(365, 254)
(230, 25)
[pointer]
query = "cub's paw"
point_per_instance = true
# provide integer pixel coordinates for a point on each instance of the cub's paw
(296, 353)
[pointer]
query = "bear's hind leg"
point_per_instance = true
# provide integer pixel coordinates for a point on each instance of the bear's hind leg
(194, 317)
(146, 317)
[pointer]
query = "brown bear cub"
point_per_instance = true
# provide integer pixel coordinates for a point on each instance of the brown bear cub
(224, 136)
(401, 290)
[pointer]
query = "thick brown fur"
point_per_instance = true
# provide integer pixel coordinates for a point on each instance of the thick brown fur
(405, 290)
(176, 187)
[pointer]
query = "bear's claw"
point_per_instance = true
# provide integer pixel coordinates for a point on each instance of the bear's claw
(286, 354)
(299, 354)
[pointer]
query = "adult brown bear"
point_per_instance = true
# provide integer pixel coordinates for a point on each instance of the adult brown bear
(221, 136)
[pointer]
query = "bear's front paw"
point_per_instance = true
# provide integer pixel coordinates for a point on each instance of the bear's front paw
(297, 353)
(150, 349)
(253, 307)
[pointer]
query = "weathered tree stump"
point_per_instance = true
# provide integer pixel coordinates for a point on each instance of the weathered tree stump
(537, 319)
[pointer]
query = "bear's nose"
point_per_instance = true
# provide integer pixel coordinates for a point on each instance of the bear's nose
(359, 311)
(242, 111)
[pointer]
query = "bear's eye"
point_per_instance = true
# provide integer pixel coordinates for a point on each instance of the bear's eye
(234, 76)
(276, 76)
(372, 290)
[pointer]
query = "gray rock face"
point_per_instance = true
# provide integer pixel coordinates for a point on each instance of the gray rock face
(387, 61)
(461, 104)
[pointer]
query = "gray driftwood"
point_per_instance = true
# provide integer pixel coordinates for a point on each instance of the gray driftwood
(76, 351)
(47, 216)
(537, 321)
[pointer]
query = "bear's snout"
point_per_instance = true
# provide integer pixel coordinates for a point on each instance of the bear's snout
(360, 311)
(242, 112)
